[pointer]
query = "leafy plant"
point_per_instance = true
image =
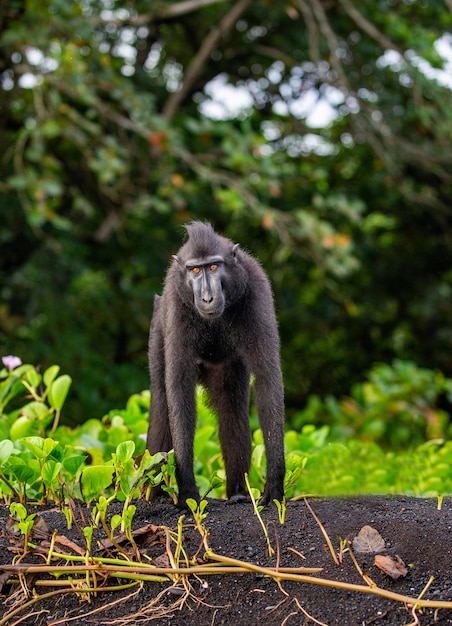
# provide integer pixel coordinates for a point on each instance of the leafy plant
(282, 509)
(38, 468)
(397, 407)
(168, 476)
(98, 458)
(46, 394)
(199, 514)
(24, 521)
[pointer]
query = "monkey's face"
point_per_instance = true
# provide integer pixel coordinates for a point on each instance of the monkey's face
(205, 279)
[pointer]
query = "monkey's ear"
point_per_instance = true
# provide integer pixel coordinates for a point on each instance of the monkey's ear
(175, 258)
(235, 247)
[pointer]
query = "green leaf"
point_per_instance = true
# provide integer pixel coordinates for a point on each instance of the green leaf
(128, 477)
(74, 463)
(38, 446)
(22, 427)
(59, 390)
(124, 451)
(49, 446)
(35, 410)
(129, 514)
(50, 374)
(95, 480)
(23, 473)
(41, 448)
(147, 460)
(6, 448)
(18, 509)
(33, 378)
(50, 471)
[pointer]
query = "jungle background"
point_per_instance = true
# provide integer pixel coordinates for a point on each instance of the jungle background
(317, 134)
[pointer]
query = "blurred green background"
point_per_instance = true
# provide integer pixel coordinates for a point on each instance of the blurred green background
(316, 134)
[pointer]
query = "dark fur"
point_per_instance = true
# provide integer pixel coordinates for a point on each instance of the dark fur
(186, 347)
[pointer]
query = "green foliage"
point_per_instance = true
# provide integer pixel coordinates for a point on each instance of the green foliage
(96, 479)
(110, 144)
(357, 468)
(23, 521)
(56, 468)
(47, 392)
(398, 407)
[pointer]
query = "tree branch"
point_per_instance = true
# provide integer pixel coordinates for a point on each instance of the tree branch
(312, 31)
(201, 57)
(275, 53)
(368, 27)
(187, 6)
(173, 10)
(332, 40)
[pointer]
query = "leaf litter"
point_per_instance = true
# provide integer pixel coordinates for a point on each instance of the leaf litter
(368, 540)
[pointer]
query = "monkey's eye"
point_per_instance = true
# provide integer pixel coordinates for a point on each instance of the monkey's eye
(196, 270)
(213, 267)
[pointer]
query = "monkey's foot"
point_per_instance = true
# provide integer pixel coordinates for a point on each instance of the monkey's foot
(238, 498)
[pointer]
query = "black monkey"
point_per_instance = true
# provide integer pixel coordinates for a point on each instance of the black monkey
(215, 323)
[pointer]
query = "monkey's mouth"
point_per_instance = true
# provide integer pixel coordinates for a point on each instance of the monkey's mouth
(211, 314)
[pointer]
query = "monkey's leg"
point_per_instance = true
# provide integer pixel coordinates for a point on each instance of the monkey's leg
(269, 394)
(159, 434)
(180, 385)
(228, 387)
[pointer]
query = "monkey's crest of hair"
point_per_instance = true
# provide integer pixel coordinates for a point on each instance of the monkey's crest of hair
(203, 239)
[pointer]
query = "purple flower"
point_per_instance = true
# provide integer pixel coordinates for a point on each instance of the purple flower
(11, 362)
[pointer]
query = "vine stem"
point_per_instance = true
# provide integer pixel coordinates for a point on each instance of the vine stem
(213, 568)
(221, 565)
(325, 582)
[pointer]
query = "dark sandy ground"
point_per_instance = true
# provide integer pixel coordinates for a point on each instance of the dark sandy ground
(412, 528)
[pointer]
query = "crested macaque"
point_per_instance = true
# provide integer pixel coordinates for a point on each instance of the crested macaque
(215, 324)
